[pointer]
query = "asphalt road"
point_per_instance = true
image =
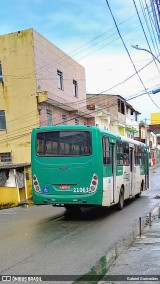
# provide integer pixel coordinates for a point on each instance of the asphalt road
(45, 240)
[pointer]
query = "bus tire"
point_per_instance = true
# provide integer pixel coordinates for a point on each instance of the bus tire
(120, 204)
(73, 208)
(138, 195)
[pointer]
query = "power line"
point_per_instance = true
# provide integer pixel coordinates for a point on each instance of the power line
(129, 54)
(62, 58)
(156, 19)
(84, 100)
(21, 133)
(144, 32)
(154, 41)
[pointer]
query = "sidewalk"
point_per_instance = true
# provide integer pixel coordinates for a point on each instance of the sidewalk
(141, 262)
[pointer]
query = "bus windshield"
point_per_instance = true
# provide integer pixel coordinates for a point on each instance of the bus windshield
(63, 143)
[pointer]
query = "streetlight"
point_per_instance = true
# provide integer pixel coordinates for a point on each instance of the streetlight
(144, 49)
(155, 58)
(139, 48)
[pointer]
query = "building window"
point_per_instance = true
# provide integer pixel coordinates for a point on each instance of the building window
(75, 88)
(136, 117)
(49, 117)
(64, 119)
(1, 78)
(121, 107)
(2, 120)
(60, 79)
(127, 110)
(5, 157)
(76, 121)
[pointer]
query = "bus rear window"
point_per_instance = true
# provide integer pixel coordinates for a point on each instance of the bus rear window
(64, 143)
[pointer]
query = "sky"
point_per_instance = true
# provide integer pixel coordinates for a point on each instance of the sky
(99, 35)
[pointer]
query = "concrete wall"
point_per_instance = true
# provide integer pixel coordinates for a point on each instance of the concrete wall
(8, 197)
(49, 58)
(29, 66)
(57, 115)
(28, 184)
(18, 70)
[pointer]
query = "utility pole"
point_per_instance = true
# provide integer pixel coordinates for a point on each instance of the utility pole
(145, 121)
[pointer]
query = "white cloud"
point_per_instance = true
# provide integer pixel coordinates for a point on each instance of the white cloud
(104, 72)
(70, 24)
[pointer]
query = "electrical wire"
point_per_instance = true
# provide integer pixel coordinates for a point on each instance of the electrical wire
(129, 53)
(21, 134)
(26, 76)
(149, 27)
(136, 72)
(84, 100)
(145, 34)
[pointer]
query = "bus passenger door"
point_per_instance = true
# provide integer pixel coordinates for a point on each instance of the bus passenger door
(131, 153)
(109, 171)
(113, 169)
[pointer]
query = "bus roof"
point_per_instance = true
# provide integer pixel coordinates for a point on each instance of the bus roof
(123, 138)
(85, 128)
(75, 127)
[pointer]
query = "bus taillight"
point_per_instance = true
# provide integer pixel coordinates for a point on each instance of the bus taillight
(36, 184)
(94, 184)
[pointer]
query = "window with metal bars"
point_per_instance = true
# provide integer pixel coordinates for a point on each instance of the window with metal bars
(60, 79)
(75, 88)
(5, 157)
(76, 121)
(1, 77)
(2, 120)
(49, 117)
(64, 119)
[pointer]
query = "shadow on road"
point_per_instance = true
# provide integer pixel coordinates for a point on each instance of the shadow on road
(93, 213)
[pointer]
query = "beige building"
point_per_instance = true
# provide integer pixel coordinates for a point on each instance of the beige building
(39, 85)
(113, 113)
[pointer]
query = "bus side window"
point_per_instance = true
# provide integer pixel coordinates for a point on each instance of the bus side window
(106, 151)
(138, 155)
(126, 161)
(119, 153)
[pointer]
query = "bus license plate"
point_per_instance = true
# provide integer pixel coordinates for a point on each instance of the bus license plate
(65, 186)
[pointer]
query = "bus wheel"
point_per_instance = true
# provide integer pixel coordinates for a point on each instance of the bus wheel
(138, 195)
(73, 208)
(121, 199)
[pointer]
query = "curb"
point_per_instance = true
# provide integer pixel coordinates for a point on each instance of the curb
(26, 203)
(123, 244)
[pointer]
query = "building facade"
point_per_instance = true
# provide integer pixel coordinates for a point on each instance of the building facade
(39, 85)
(113, 113)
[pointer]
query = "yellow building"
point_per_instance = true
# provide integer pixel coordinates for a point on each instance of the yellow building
(155, 118)
(39, 85)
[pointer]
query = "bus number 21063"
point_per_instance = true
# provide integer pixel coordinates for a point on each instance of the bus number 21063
(81, 189)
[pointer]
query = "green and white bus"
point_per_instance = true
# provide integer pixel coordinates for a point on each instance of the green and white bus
(80, 166)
